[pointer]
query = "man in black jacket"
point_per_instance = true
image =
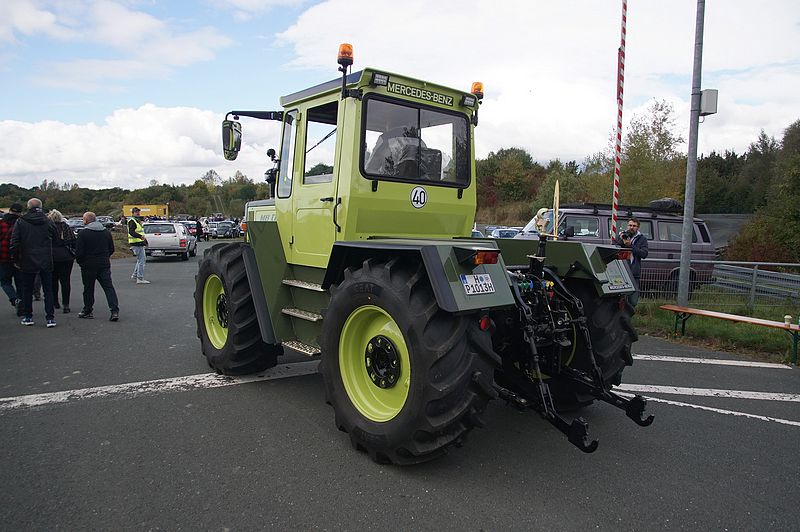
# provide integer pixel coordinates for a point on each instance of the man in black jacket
(637, 243)
(32, 250)
(93, 253)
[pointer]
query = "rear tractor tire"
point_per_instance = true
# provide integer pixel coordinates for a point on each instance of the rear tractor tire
(611, 332)
(406, 379)
(226, 319)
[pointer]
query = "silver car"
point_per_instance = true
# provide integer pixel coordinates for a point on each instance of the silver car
(169, 238)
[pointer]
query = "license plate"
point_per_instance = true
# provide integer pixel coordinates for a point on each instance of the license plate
(157, 253)
(477, 284)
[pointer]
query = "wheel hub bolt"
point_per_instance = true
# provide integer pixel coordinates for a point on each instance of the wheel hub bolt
(381, 362)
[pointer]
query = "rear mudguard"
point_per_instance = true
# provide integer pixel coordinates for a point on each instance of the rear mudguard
(574, 260)
(445, 261)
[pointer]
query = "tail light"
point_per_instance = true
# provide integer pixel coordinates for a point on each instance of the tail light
(244, 226)
(485, 257)
(183, 242)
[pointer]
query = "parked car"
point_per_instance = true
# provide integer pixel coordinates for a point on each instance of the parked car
(477, 234)
(76, 224)
(191, 227)
(107, 221)
(662, 228)
(506, 232)
(225, 230)
(212, 229)
(169, 238)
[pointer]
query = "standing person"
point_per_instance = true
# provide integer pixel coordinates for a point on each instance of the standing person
(637, 243)
(63, 259)
(93, 253)
(137, 242)
(32, 249)
(10, 279)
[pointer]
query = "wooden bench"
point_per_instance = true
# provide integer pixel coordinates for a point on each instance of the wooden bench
(684, 313)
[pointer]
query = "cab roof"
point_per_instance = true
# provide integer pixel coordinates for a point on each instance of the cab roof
(360, 77)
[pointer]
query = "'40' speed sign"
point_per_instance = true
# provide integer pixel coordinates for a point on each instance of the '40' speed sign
(419, 197)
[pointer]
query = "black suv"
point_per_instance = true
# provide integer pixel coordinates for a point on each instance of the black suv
(663, 227)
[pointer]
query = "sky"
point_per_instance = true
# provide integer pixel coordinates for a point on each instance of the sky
(119, 93)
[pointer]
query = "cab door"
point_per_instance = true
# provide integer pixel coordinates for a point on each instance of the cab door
(315, 191)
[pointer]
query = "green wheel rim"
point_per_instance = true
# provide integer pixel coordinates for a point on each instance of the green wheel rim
(215, 311)
(373, 402)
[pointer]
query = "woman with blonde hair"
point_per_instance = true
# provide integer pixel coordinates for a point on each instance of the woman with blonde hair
(63, 258)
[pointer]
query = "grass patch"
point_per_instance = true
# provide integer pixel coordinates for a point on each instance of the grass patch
(122, 249)
(764, 342)
(510, 214)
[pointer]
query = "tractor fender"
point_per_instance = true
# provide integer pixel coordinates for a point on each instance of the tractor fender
(259, 300)
(441, 261)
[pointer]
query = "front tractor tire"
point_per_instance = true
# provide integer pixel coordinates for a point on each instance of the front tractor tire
(226, 319)
(405, 378)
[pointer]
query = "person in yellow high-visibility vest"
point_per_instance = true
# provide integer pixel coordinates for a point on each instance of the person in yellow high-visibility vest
(138, 242)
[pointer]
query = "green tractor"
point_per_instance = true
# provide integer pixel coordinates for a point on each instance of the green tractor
(363, 257)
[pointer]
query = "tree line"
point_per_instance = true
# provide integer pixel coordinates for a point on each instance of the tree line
(208, 194)
(511, 185)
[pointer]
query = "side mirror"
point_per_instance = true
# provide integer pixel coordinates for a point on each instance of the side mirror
(271, 154)
(231, 139)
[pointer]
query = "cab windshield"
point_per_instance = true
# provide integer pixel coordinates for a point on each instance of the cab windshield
(405, 142)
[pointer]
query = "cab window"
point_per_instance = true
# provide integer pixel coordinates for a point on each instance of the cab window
(284, 188)
(320, 144)
(406, 142)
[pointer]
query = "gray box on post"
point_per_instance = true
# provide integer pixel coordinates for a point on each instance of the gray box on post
(708, 101)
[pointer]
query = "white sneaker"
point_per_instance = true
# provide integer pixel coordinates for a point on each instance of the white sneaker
(133, 277)
(142, 281)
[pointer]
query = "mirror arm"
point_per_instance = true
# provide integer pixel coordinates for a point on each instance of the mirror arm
(262, 115)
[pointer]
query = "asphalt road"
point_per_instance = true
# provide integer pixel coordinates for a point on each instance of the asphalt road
(267, 454)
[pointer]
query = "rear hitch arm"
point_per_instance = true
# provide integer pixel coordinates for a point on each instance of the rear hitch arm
(634, 407)
(537, 392)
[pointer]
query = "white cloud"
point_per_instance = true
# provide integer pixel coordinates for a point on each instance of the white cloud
(173, 145)
(134, 44)
(27, 18)
(245, 9)
(549, 68)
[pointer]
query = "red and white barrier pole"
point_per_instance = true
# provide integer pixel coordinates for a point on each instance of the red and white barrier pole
(618, 151)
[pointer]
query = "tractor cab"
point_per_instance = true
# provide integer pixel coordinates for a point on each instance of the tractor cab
(373, 154)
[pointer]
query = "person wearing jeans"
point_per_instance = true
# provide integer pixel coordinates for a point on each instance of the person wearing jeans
(138, 243)
(93, 252)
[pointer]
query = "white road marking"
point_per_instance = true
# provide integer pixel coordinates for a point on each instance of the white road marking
(721, 411)
(709, 392)
(714, 361)
(177, 384)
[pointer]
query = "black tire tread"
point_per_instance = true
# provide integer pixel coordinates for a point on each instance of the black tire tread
(245, 351)
(450, 402)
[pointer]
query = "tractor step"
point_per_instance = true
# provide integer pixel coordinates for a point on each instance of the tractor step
(302, 314)
(310, 350)
(314, 287)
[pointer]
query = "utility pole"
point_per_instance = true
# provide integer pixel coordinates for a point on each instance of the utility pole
(691, 161)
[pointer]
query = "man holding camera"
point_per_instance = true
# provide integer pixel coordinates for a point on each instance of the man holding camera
(637, 243)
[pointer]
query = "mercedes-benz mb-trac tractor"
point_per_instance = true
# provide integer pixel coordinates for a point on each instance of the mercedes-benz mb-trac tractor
(363, 257)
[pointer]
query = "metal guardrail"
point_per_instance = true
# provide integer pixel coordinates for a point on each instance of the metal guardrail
(728, 283)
